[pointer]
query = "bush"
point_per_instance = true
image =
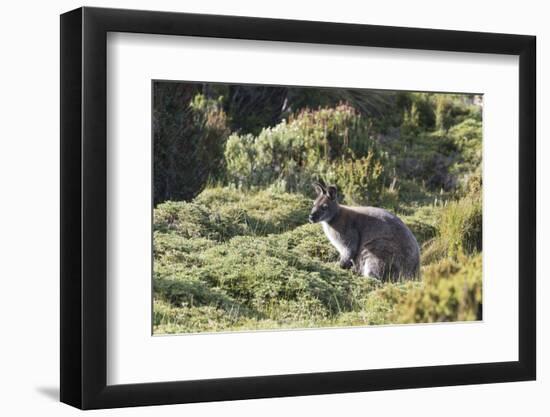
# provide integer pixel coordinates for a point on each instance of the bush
(460, 226)
(250, 108)
(189, 138)
(418, 114)
(458, 230)
(329, 133)
(451, 109)
(422, 231)
(359, 181)
(253, 107)
(186, 318)
(331, 144)
(216, 269)
(450, 292)
(275, 276)
(439, 140)
(426, 158)
(222, 213)
(193, 220)
(467, 136)
(251, 277)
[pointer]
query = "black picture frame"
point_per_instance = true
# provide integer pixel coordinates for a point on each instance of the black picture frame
(84, 207)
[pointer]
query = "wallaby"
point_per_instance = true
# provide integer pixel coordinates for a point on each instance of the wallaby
(372, 241)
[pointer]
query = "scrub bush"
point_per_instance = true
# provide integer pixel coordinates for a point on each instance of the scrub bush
(214, 270)
(451, 291)
(451, 109)
(359, 181)
(460, 226)
(332, 144)
(189, 134)
(222, 213)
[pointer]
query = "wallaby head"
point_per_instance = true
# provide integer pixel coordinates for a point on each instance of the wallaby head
(325, 206)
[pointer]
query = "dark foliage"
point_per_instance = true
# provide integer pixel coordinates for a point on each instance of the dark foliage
(250, 108)
(189, 138)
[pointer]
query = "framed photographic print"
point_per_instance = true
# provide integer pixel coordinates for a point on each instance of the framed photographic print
(256, 208)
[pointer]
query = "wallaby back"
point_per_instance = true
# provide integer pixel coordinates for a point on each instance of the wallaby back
(386, 248)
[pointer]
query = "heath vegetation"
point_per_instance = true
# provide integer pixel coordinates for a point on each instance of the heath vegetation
(233, 167)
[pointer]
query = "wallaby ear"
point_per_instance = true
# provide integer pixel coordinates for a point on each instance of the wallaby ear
(331, 192)
(319, 188)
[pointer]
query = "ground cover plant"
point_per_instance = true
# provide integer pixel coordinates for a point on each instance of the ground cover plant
(233, 167)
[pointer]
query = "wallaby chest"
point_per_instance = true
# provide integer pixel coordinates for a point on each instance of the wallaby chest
(337, 239)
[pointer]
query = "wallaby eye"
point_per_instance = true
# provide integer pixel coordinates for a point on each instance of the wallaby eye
(324, 206)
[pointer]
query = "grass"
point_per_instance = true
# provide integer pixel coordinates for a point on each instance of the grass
(232, 260)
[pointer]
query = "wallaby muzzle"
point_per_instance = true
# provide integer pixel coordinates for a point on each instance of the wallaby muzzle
(313, 217)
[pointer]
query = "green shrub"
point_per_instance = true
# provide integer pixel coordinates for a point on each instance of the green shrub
(473, 184)
(433, 250)
(422, 231)
(169, 285)
(359, 181)
(310, 242)
(193, 220)
(426, 157)
(418, 113)
(439, 140)
(222, 213)
(170, 319)
(189, 137)
(460, 226)
(332, 144)
(266, 211)
(253, 107)
(330, 132)
(171, 248)
(458, 230)
(467, 136)
(451, 291)
(285, 279)
(214, 271)
(452, 109)
(378, 305)
(276, 276)
(411, 121)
